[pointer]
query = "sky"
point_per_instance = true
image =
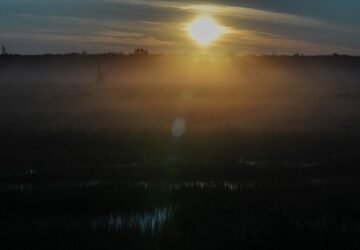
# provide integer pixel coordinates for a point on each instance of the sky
(251, 26)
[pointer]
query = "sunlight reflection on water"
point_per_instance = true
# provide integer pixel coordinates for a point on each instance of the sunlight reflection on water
(227, 185)
(146, 222)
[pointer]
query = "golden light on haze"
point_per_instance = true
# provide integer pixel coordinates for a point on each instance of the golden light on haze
(204, 30)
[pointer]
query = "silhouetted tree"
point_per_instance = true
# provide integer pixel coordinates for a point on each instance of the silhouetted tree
(141, 52)
(3, 51)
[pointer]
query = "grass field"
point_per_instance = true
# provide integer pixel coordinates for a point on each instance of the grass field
(268, 158)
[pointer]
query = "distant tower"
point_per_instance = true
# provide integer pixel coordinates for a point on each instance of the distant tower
(100, 75)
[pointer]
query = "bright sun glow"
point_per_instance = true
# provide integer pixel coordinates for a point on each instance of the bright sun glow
(204, 30)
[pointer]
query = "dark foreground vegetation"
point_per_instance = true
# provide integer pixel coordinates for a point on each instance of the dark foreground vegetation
(102, 190)
(269, 158)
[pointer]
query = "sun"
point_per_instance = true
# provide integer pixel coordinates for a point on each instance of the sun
(204, 30)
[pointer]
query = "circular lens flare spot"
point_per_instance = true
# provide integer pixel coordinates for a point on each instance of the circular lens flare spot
(178, 127)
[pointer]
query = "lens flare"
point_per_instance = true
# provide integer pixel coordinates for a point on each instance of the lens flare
(178, 127)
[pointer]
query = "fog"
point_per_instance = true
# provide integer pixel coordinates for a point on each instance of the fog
(258, 93)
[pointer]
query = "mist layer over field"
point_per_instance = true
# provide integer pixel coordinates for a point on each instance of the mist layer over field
(267, 93)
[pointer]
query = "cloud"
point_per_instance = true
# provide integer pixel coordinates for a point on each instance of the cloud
(160, 24)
